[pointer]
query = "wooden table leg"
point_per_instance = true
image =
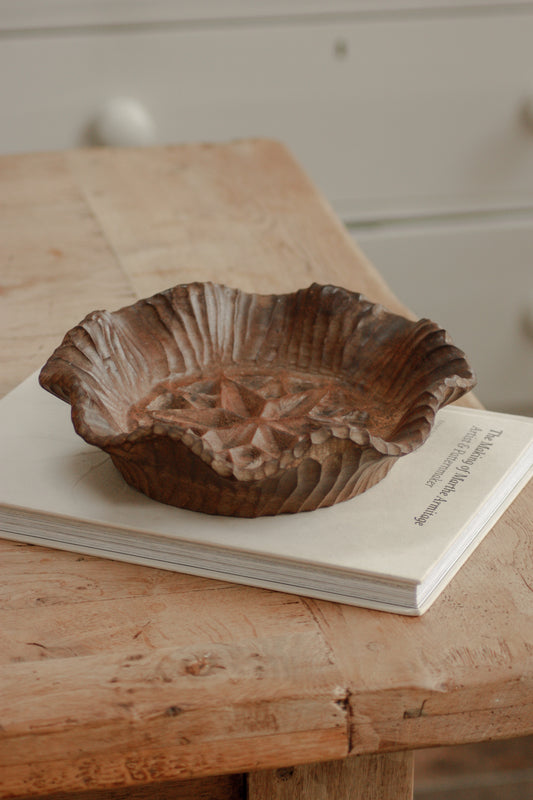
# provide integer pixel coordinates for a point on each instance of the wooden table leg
(376, 777)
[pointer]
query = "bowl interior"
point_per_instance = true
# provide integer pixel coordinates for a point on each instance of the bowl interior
(259, 372)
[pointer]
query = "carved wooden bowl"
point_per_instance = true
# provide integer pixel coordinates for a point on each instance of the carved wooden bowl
(239, 404)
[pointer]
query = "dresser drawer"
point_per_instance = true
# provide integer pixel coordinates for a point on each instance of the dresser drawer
(394, 115)
(476, 280)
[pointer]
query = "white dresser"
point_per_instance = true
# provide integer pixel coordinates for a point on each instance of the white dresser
(414, 118)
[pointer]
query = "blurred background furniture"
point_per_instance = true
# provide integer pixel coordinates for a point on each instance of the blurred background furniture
(414, 117)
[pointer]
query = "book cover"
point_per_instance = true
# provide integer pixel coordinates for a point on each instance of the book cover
(393, 548)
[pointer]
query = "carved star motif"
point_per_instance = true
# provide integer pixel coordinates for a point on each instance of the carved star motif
(246, 421)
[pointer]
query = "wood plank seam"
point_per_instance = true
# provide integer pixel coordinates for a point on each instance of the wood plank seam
(91, 208)
(344, 701)
(346, 704)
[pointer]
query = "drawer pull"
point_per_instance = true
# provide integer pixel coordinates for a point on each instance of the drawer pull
(122, 122)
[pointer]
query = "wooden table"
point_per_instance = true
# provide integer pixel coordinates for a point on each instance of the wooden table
(115, 676)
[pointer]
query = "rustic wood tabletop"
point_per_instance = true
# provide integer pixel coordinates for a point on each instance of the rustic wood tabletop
(119, 680)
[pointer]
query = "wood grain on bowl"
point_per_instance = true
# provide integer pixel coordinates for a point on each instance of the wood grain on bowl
(222, 401)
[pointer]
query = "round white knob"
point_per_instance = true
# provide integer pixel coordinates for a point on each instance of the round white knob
(124, 123)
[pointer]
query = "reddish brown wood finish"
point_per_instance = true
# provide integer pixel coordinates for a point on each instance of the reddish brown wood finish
(226, 402)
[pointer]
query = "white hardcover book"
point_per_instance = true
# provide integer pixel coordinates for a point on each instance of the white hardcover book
(393, 548)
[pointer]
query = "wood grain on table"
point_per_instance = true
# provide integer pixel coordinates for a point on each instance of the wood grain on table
(114, 675)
